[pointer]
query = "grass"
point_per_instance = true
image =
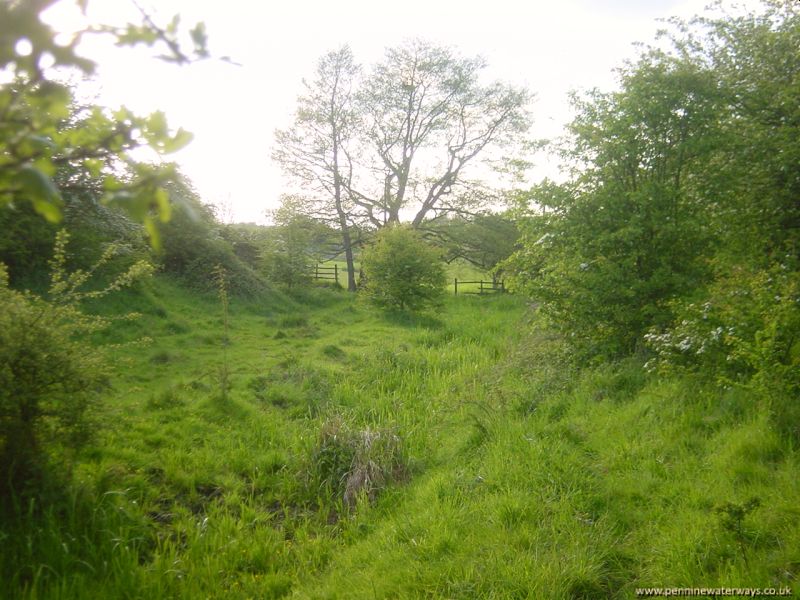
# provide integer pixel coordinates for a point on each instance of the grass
(360, 454)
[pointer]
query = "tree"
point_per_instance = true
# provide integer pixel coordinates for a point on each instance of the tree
(317, 149)
(42, 131)
(606, 252)
(365, 149)
(402, 271)
(743, 326)
(756, 68)
(427, 118)
(684, 194)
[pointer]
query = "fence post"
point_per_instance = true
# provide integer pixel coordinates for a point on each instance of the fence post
(336, 273)
(480, 289)
(316, 271)
(455, 286)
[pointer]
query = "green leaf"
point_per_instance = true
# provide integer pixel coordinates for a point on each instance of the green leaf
(200, 39)
(35, 144)
(172, 28)
(94, 166)
(157, 123)
(41, 191)
(45, 165)
(178, 141)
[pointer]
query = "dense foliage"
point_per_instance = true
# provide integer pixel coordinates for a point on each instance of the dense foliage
(27, 240)
(194, 245)
(402, 271)
(680, 226)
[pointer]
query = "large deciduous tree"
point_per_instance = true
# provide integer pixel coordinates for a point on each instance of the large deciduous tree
(397, 143)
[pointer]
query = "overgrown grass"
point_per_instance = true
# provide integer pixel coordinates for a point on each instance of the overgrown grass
(360, 454)
(608, 483)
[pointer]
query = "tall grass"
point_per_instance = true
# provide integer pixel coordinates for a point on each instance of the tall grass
(364, 454)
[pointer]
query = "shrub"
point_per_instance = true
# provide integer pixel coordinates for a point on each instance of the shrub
(48, 380)
(27, 239)
(746, 328)
(744, 331)
(402, 271)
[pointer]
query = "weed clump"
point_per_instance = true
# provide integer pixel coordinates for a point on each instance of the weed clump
(166, 399)
(732, 518)
(162, 357)
(348, 464)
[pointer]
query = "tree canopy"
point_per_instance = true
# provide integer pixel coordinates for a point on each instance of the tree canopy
(44, 131)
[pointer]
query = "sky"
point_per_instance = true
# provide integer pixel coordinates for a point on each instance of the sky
(234, 110)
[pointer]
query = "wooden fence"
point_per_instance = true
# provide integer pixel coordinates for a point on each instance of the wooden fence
(326, 273)
(484, 287)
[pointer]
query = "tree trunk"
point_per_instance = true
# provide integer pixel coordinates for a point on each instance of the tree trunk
(348, 253)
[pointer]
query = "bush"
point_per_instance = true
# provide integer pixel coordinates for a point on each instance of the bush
(402, 271)
(26, 239)
(746, 329)
(48, 380)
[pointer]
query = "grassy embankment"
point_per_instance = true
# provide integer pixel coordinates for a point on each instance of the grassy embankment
(496, 469)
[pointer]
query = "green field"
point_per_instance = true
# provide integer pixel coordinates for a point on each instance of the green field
(328, 450)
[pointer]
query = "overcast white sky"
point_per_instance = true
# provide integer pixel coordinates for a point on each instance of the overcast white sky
(549, 47)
